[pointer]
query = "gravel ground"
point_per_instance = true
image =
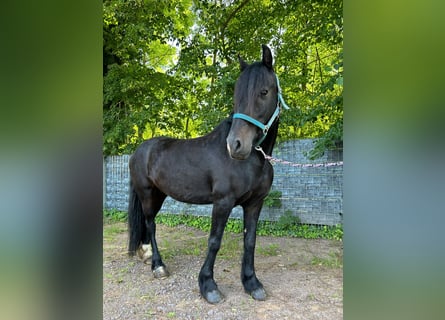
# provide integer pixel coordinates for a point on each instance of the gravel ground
(303, 278)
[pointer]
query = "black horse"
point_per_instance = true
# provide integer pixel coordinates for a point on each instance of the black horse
(220, 168)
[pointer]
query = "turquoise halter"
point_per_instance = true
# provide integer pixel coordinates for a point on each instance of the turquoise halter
(265, 127)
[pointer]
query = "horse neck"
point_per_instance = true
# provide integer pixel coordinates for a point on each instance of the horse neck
(269, 142)
(221, 130)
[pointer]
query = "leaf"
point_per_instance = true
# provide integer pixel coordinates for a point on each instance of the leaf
(339, 81)
(170, 66)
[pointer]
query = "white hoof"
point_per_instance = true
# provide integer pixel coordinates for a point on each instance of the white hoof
(145, 253)
(160, 272)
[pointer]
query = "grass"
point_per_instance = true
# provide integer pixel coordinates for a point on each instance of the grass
(270, 250)
(191, 245)
(110, 232)
(287, 226)
(334, 261)
(231, 247)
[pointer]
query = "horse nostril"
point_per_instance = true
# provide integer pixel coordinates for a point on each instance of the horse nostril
(236, 148)
(237, 145)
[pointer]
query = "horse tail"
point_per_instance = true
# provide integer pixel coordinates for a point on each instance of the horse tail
(136, 221)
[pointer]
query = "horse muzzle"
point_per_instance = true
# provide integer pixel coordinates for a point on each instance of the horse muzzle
(237, 147)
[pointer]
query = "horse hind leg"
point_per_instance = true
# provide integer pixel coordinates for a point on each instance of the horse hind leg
(144, 251)
(151, 205)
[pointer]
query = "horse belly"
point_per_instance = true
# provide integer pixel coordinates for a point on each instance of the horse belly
(185, 185)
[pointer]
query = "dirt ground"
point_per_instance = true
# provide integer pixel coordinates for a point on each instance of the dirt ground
(303, 278)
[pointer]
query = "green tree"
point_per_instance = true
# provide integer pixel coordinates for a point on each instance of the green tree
(139, 93)
(310, 59)
(170, 66)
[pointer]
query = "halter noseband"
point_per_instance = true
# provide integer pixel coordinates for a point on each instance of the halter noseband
(265, 127)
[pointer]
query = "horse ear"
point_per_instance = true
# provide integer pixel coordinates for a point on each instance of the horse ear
(267, 56)
(243, 64)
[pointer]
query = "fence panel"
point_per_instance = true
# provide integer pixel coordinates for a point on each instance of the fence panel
(313, 194)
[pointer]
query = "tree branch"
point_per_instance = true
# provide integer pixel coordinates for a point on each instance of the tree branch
(226, 23)
(232, 15)
(319, 64)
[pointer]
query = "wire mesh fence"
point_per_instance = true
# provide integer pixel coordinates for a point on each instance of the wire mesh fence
(313, 194)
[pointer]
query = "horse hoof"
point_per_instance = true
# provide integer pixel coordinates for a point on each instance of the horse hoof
(160, 272)
(145, 253)
(259, 294)
(214, 296)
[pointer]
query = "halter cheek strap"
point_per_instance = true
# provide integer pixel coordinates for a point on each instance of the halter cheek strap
(265, 127)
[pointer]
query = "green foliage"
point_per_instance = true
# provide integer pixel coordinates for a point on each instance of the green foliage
(287, 220)
(202, 223)
(273, 199)
(170, 66)
(234, 225)
(288, 225)
(305, 231)
(115, 215)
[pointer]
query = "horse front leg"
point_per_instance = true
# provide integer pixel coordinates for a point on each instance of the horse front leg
(248, 277)
(207, 285)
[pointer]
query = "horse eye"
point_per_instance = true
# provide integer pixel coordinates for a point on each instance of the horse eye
(264, 92)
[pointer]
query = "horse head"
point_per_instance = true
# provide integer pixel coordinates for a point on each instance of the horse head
(255, 106)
